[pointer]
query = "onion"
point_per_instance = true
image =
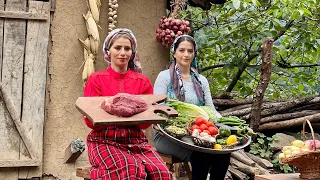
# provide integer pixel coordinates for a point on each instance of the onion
(170, 28)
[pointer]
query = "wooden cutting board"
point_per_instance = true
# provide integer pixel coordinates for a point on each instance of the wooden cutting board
(90, 107)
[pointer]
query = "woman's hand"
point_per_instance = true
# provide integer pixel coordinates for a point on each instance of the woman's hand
(157, 129)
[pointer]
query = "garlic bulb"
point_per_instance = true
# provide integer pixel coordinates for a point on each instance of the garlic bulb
(113, 9)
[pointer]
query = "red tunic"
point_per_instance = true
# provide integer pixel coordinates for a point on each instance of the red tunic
(121, 152)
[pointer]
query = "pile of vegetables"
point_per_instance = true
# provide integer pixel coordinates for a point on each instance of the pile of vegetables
(202, 125)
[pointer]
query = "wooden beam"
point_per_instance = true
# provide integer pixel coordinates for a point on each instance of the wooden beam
(289, 176)
(23, 15)
(69, 156)
(83, 172)
(16, 119)
(19, 163)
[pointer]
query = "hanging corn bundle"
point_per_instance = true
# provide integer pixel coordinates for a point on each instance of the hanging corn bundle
(91, 44)
(113, 8)
(95, 9)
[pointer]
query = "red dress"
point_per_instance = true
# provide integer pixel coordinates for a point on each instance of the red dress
(121, 152)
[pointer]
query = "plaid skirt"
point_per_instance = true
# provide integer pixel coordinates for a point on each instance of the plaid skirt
(121, 152)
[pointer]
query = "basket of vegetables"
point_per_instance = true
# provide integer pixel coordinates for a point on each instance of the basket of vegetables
(304, 155)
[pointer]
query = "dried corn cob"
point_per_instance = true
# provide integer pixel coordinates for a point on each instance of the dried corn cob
(86, 43)
(98, 4)
(92, 27)
(94, 45)
(94, 9)
(88, 68)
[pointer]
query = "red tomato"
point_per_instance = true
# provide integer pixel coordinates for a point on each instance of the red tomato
(203, 127)
(194, 127)
(210, 124)
(213, 130)
(200, 120)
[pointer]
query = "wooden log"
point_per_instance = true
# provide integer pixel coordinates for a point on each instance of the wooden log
(73, 151)
(246, 111)
(315, 106)
(237, 155)
(255, 115)
(281, 107)
(243, 167)
(236, 108)
(69, 156)
(289, 123)
(228, 176)
(260, 161)
(285, 116)
(263, 171)
(231, 102)
(238, 174)
(83, 172)
(286, 105)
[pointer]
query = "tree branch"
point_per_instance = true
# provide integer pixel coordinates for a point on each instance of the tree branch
(252, 56)
(212, 67)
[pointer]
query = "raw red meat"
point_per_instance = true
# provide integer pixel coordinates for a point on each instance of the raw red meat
(124, 105)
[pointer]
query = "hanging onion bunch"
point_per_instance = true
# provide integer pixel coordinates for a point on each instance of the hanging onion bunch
(113, 8)
(172, 27)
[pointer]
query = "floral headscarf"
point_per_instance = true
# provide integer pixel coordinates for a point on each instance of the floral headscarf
(134, 59)
(175, 73)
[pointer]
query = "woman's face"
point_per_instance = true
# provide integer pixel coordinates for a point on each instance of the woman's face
(120, 52)
(184, 54)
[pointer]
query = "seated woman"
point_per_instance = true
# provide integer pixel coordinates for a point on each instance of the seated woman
(182, 81)
(121, 152)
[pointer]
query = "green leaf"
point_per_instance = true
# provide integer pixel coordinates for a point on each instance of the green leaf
(256, 3)
(275, 138)
(260, 140)
(300, 88)
(268, 154)
(262, 135)
(306, 11)
(236, 4)
(294, 15)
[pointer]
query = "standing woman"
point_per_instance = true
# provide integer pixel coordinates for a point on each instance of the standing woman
(121, 152)
(182, 81)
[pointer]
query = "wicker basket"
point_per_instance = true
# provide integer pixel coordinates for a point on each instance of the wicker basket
(308, 163)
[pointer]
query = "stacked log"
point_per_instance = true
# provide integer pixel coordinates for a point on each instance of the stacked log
(275, 114)
(244, 165)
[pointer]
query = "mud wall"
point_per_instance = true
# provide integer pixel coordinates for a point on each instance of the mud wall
(63, 122)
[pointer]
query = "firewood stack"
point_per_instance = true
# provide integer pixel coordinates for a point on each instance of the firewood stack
(244, 165)
(275, 114)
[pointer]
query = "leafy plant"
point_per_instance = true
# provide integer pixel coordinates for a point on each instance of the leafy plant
(263, 145)
(286, 168)
(263, 148)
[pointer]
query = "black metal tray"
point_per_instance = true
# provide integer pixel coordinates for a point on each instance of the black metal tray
(187, 142)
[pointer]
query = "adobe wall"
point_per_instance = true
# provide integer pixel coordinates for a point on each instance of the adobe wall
(63, 122)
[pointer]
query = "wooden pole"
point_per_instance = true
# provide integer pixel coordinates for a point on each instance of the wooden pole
(263, 83)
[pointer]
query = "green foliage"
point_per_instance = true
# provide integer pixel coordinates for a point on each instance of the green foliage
(286, 168)
(231, 35)
(263, 145)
